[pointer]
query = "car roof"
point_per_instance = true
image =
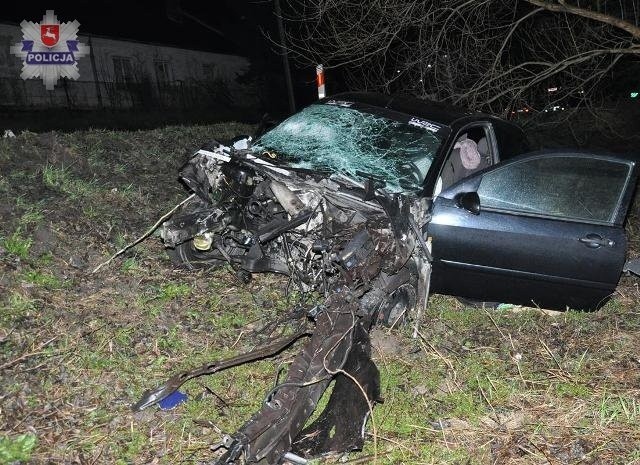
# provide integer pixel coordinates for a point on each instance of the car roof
(437, 112)
(630, 156)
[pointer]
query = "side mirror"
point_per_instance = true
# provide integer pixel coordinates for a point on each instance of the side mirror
(470, 201)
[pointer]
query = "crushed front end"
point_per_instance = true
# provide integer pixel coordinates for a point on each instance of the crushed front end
(357, 246)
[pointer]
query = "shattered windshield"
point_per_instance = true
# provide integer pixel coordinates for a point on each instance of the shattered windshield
(339, 139)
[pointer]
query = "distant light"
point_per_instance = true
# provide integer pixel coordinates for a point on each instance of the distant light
(552, 89)
(420, 80)
(581, 91)
(634, 94)
(398, 71)
(429, 66)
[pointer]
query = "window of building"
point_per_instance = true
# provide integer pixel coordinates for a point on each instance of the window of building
(6, 59)
(163, 74)
(122, 69)
(209, 70)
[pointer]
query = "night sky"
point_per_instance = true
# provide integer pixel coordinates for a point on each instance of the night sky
(239, 21)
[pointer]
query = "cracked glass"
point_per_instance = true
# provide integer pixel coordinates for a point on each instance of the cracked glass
(355, 143)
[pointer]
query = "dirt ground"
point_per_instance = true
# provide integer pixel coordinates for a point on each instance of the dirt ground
(509, 386)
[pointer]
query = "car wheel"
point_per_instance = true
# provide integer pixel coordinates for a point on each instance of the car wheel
(401, 302)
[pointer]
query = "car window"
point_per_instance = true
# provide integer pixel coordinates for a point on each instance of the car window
(356, 143)
(568, 187)
(471, 152)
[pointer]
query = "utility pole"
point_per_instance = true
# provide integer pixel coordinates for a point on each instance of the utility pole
(285, 58)
(92, 57)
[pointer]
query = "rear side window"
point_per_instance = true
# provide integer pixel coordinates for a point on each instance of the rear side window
(511, 141)
(577, 188)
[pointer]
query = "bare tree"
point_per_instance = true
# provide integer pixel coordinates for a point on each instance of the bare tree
(490, 55)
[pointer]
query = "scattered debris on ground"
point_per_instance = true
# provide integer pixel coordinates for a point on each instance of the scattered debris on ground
(78, 349)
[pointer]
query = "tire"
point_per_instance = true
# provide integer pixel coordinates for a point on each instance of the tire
(402, 300)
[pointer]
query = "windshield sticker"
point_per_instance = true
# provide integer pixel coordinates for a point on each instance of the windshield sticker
(424, 124)
(340, 103)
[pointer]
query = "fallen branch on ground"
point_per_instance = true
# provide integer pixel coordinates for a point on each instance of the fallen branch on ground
(145, 235)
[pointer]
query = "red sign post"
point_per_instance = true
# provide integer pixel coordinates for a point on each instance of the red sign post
(320, 81)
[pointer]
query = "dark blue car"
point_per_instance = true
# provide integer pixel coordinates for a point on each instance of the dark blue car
(372, 202)
(500, 224)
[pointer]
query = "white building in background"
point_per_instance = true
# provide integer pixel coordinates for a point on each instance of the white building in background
(123, 73)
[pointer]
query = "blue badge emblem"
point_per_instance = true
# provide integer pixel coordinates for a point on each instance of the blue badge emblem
(50, 50)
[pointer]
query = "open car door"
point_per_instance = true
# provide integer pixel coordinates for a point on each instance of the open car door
(543, 229)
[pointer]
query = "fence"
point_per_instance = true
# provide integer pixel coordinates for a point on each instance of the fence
(16, 93)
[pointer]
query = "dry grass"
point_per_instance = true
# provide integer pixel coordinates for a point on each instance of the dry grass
(76, 349)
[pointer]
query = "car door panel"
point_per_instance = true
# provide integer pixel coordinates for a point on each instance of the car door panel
(533, 261)
(525, 258)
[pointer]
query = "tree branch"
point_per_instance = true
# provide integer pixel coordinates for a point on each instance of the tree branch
(562, 7)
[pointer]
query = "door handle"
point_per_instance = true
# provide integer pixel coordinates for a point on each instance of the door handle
(595, 240)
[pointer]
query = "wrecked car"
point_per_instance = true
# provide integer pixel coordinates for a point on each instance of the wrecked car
(374, 202)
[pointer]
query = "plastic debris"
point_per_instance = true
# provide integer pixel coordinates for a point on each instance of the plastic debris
(172, 400)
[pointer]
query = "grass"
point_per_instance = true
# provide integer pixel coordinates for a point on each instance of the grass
(17, 449)
(62, 180)
(518, 386)
(17, 244)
